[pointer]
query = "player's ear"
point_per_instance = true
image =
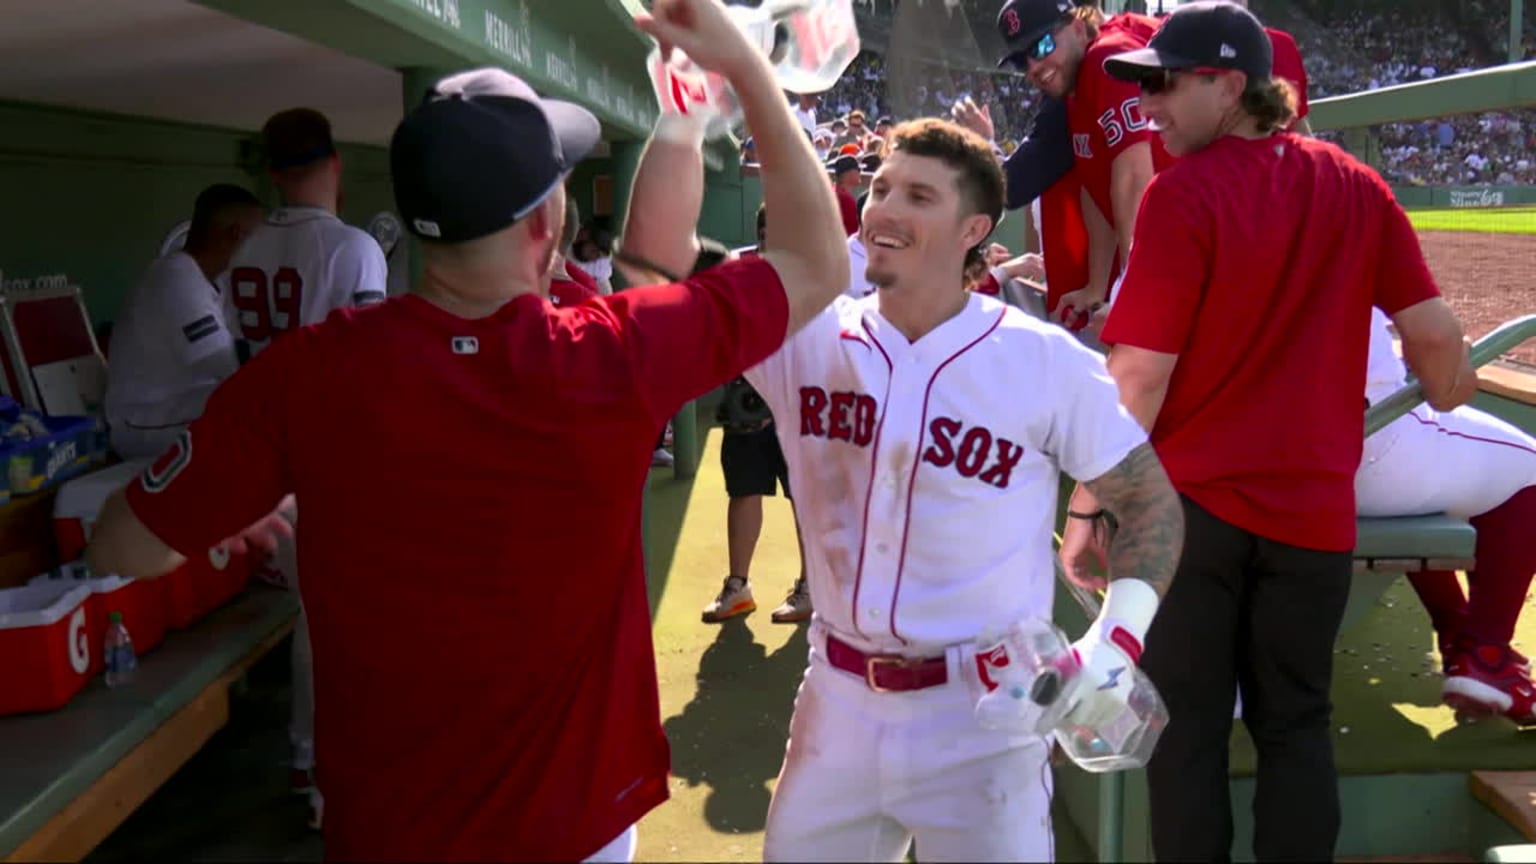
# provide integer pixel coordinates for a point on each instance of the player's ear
(974, 229)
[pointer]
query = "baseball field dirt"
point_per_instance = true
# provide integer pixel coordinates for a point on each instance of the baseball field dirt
(1487, 277)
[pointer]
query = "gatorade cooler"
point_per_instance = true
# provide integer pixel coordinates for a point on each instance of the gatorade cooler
(49, 637)
(187, 593)
(142, 602)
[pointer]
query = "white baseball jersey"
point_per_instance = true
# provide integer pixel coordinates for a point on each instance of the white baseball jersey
(170, 349)
(926, 474)
(295, 268)
(858, 261)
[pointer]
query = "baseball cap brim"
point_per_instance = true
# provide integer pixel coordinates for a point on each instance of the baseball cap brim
(575, 128)
(1138, 64)
(1024, 43)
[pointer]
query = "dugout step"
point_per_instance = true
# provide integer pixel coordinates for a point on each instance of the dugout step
(1511, 795)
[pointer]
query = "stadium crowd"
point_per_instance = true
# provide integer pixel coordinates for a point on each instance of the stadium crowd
(1347, 48)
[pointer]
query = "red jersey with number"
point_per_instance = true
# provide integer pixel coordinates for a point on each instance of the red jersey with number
(295, 268)
(1104, 113)
(1257, 262)
(485, 687)
(1287, 64)
(573, 287)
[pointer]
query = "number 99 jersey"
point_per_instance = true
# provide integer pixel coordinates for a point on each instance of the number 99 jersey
(294, 269)
(1104, 114)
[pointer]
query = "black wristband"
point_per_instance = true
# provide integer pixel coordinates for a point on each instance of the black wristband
(1097, 514)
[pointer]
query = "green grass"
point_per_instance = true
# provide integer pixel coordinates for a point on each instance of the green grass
(1496, 220)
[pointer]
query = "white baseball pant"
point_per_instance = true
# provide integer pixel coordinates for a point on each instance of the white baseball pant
(620, 850)
(866, 774)
(1463, 462)
(301, 724)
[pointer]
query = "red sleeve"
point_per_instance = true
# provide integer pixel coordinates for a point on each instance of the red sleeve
(229, 468)
(1288, 65)
(1169, 266)
(1115, 108)
(1402, 277)
(849, 207)
(582, 278)
(687, 338)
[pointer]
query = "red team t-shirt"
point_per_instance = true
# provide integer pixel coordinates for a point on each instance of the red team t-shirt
(1104, 113)
(465, 709)
(1269, 311)
(572, 288)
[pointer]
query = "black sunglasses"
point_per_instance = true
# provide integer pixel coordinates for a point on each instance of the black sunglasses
(1164, 80)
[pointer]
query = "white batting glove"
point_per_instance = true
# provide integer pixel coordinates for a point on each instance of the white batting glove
(1109, 652)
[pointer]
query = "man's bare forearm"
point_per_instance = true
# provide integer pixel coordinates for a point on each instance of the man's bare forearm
(807, 243)
(1149, 535)
(1128, 181)
(1101, 246)
(666, 197)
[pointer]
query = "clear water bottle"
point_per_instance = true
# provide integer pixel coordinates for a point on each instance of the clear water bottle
(1124, 742)
(121, 661)
(1023, 669)
(1029, 675)
(809, 42)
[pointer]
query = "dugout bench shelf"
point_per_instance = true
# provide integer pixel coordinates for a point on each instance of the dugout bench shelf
(68, 778)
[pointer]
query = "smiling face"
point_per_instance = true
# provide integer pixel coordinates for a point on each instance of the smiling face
(917, 223)
(1053, 62)
(1190, 109)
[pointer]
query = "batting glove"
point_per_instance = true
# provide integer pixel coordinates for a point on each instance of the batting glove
(1109, 652)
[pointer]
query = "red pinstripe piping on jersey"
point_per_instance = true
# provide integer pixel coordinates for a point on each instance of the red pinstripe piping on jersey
(1454, 434)
(917, 459)
(874, 463)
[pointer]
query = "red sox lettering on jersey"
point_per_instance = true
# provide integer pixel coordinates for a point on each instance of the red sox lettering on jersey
(906, 454)
(843, 416)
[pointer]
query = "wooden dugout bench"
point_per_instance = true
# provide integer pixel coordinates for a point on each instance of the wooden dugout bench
(68, 778)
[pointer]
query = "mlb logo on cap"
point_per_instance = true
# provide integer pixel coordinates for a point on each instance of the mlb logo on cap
(466, 345)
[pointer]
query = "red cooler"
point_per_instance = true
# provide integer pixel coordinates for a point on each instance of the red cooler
(50, 639)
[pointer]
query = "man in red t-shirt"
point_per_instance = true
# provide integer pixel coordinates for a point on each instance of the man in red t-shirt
(847, 174)
(1246, 306)
(469, 705)
(1041, 168)
(1062, 48)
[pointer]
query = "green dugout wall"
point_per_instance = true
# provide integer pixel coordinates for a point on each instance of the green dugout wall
(112, 118)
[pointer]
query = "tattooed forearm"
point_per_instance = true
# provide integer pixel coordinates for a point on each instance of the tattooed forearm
(1150, 535)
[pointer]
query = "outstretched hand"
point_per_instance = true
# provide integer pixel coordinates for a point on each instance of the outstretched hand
(702, 30)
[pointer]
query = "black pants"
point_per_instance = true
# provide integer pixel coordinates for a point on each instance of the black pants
(1246, 609)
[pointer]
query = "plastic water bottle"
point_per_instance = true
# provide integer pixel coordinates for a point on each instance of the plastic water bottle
(1023, 670)
(1032, 672)
(809, 42)
(1124, 742)
(121, 661)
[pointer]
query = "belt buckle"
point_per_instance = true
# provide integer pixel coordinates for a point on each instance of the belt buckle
(875, 662)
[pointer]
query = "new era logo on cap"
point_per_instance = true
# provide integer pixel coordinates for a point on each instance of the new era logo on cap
(1228, 51)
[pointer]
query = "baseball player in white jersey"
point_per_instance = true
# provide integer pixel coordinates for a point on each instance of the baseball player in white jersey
(300, 265)
(926, 489)
(170, 344)
(1474, 466)
(303, 262)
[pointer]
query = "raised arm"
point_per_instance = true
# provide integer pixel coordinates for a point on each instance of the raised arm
(809, 249)
(658, 243)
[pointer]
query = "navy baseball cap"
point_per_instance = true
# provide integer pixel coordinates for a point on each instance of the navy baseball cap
(481, 152)
(1210, 34)
(1021, 23)
(843, 163)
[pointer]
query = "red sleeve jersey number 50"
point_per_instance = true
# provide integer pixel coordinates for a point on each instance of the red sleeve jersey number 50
(268, 307)
(1116, 122)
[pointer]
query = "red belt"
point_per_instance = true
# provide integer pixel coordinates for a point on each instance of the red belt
(887, 673)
